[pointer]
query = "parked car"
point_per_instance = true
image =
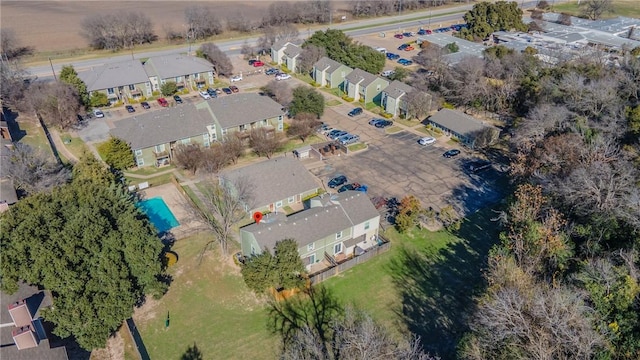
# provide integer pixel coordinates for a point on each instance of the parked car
(258, 63)
(398, 36)
(479, 165)
(271, 71)
(407, 34)
(383, 124)
(387, 73)
(236, 78)
(347, 187)
(98, 113)
(282, 76)
(355, 112)
(212, 93)
(374, 121)
(177, 98)
(130, 108)
(205, 95)
(405, 62)
(422, 32)
(337, 134)
(252, 61)
(227, 91)
(234, 88)
(163, 102)
(348, 139)
(337, 181)
(334, 132)
(451, 153)
(409, 48)
(145, 105)
(427, 140)
(392, 56)
(403, 46)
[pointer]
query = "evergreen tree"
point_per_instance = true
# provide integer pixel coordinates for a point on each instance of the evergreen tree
(307, 100)
(69, 76)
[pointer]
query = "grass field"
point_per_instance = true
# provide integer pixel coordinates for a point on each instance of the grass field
(629, 8)
(425, 284)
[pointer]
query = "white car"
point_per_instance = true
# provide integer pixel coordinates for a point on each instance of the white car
(236, 78)
(387, 73)
(98, 113)
(205, 95)
(428, 140)
(283, 76)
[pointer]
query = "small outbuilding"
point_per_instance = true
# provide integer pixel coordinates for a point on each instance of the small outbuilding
(467, 129)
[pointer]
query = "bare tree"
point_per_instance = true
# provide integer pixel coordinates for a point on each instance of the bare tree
(10, 46)
(264, 142)
(286, 32)
(233, 148)
(188, 156)
(202, 22)
(418, 104)
(117, 31)
(32, 171)
(564, 19)
(214, 159)
(239, 22)
(309, 56)
(279, 91)
(221, 62)
(14, 84)
(281, 13)
(304, 125)
(593, 9)
(247, 50)
(223, 205)
(56, 103)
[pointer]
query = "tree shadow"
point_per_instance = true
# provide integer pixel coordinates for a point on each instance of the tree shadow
(438, 290)
(192, 353)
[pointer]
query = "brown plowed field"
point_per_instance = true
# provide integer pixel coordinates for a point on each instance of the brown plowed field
(56, 25)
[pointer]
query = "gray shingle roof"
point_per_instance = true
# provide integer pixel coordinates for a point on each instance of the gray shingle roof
(292, 50)
(361, 77)
(171, 66)
(456, 121)
(278, 45)
(246, 108)
(113, 75)
(274, 180)
(340, 212)
(163, 126)
(328, 65)
(397, 89)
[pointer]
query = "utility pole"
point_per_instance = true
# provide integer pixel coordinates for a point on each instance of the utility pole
(52, 70)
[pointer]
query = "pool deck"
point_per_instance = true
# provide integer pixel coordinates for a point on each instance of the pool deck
(178, 205)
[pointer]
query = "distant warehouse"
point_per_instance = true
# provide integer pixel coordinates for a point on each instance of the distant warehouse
(468, 130)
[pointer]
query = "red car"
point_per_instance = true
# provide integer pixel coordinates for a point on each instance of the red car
(258, 63)
(398, 36)
(234, 88)
(163, 102)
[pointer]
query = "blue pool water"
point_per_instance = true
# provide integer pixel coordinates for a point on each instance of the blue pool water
(159, 214)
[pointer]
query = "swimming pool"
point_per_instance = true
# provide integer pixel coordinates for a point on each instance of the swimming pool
(159, 214)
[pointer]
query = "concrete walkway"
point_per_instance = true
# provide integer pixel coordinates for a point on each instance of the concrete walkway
(59, 144)
(144, 177)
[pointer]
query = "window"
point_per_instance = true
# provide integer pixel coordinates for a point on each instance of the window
(292, 199)
(253, 250)
(311, 247)
(279, 204)
(140, 161)
(367, 225)
(339, 235)
(280, 126)
(186, 141)
(224, 132)
(243, 127)
(337, 248)
(159, 148)
(132, 87)
(138, 152)
(312, 259)
(110, 91)
(205, 140)
(378, 87)
(148, 84)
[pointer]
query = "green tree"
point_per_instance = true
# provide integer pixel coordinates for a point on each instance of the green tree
(485, 18)
(307, 100)
(89, 245)
(69, 76)
(99, 99)
(399, 74)
(342, 49)
(499, 51)
(117, 154)
(452, 47)
(169, 88)
(282, 270)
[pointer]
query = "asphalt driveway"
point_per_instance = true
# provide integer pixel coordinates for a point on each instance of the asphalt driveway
(396, 165)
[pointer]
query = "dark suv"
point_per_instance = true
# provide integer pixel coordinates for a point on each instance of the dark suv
(355, 112)
(178, 99)
(337, 181)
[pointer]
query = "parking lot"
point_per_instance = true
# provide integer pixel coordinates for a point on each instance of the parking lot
(395, 165)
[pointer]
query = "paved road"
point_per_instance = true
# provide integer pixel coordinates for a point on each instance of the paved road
(232, 47)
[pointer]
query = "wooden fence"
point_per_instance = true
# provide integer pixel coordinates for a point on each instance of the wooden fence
(348, 264)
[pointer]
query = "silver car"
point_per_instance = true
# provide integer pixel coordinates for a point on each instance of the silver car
(348, 139)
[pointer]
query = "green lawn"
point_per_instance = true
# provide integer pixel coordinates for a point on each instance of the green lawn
(75, 145)
(357, 146)
(209, 305)
(425, 283)
(333, 102)
(627, 8)
(34, 136)
(334, 91)
(153, 181)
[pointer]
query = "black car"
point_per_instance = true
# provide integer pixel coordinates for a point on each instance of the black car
(145, 105)
(403, 46)
(227, 91)
(337, 181)
(451, 153)
(355, 112)
(383, 124)
(130, 108)
(177, 98)
(212, 93)
(271, 71)
(252, 61)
